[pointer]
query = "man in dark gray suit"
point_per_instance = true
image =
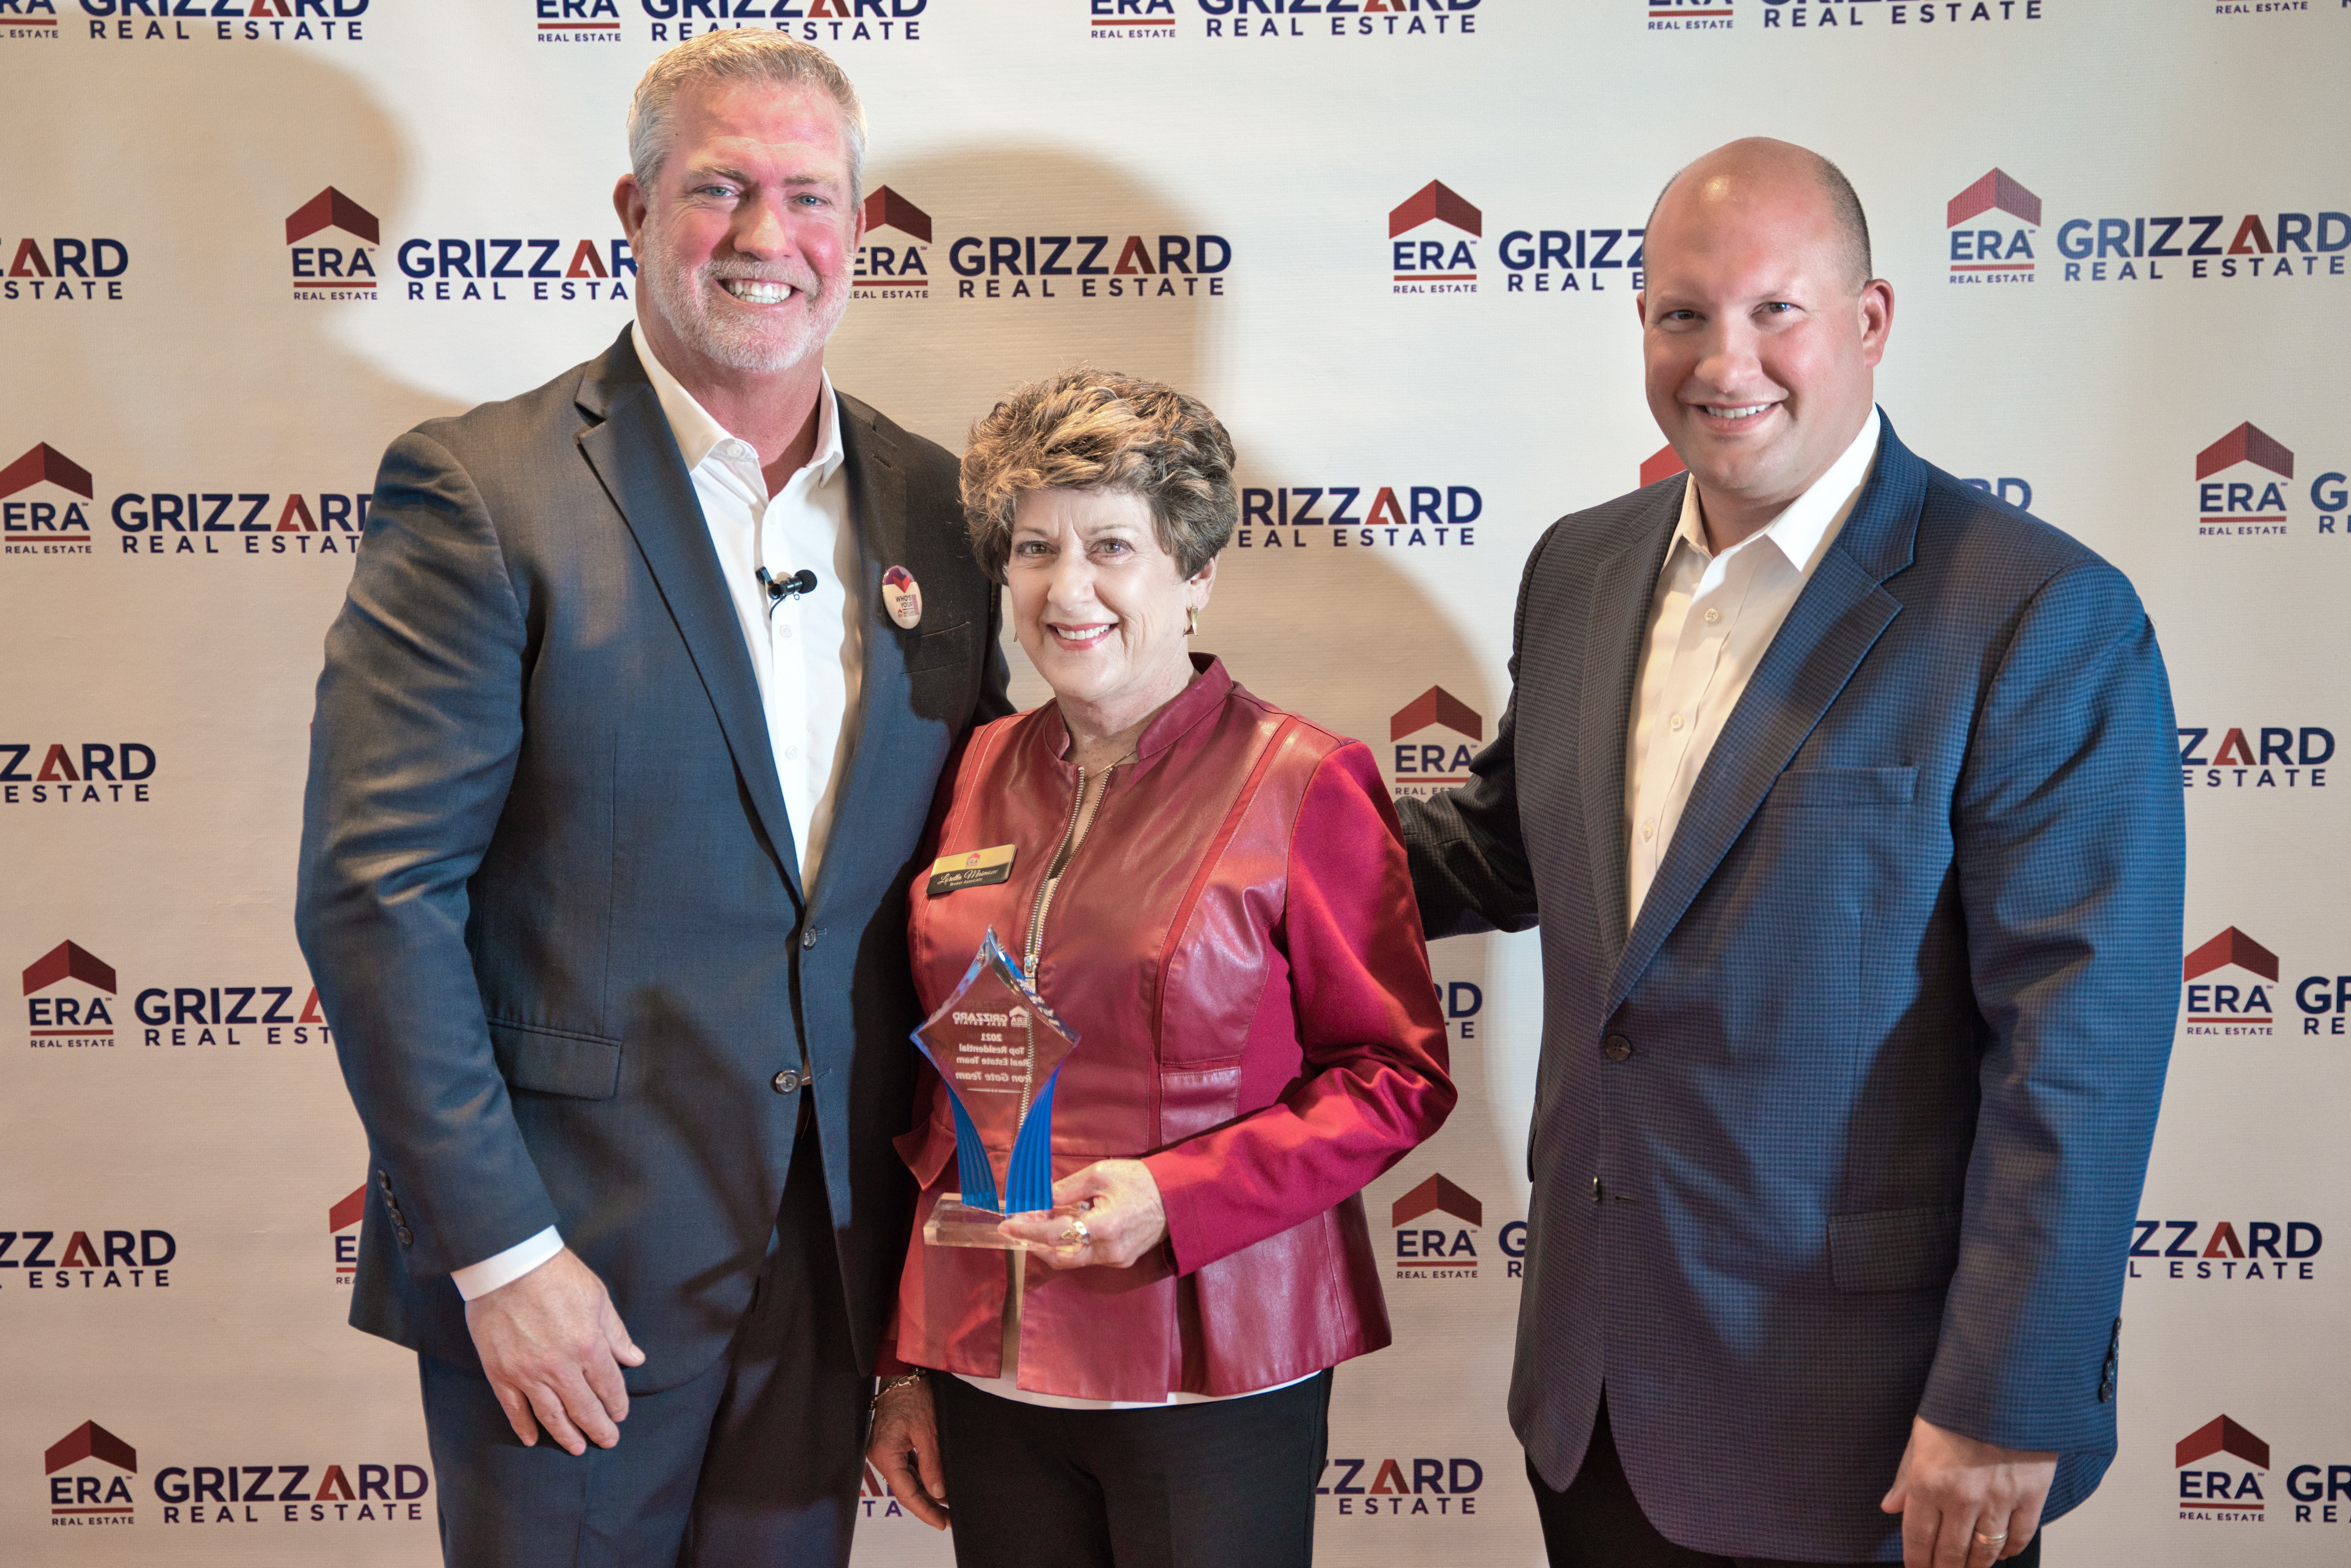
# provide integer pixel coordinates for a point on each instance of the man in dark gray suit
(626, 739)
(1845, 797)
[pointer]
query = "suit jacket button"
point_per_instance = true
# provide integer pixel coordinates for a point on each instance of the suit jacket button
(1596, 1189)
(1615, 1048)
(383, 1180)
(406, 1237)
(808, 938)
(786, 1081)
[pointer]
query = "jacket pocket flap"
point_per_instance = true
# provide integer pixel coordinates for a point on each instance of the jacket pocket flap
(947, 646)
(1846, 786)
(1894, 1249)
(578, 1066)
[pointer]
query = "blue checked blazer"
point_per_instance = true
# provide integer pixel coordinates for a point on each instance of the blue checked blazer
(1850, 1126)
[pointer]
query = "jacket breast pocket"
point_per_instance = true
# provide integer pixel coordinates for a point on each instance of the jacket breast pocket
(1894, 1249)
(947, 648)
(541, 1060)
(1846, 787)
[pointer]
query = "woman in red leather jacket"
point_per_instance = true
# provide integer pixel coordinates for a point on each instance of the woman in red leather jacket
(1212, 894)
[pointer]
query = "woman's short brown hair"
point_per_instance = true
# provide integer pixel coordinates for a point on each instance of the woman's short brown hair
(1097, 430)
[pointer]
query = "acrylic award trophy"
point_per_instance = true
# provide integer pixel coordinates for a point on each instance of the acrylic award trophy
(999, 1050)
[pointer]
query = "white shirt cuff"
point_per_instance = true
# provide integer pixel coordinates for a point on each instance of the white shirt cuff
(480, 1278)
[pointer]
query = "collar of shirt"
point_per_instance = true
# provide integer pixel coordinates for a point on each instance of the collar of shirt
(1806, 527)
(700, 437)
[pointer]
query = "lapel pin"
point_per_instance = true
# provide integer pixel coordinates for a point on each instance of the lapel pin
(903, 596)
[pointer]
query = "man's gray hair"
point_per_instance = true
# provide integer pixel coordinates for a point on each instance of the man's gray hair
(738, 55)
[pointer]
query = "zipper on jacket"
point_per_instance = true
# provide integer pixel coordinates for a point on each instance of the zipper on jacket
(1081, 817)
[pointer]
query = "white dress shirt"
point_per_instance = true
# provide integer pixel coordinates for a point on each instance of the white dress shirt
(806, 651)
(1710, 621)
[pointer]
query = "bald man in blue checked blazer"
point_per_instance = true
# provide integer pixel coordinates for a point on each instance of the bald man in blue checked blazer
(1837, 1141)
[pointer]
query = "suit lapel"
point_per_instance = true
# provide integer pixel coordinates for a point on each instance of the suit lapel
(1622, 587)
(877, 506)
(1830, 629)
(636, 457)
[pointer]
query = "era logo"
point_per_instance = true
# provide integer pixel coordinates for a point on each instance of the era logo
(1422, 759)
(1435, 257)
(331, 271)
(1982, 251)
(89, 1497)
(2205, 1492)
(2251, 502)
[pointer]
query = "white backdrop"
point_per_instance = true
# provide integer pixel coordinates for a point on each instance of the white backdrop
(198, 391)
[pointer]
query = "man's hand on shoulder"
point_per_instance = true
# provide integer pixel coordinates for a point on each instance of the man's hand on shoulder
(1964, 1501)
(552, 1346)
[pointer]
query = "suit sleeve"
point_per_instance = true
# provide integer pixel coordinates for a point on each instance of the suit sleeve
(1469, 861)
(2069, 846)
(413, 750)
(1373, 1083)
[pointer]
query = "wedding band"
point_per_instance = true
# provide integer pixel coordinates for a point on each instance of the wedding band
(1983, 1540)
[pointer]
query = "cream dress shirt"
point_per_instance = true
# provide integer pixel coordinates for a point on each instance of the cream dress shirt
(1710, 621)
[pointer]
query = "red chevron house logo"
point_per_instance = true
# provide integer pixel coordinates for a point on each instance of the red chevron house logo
(2230, 948)
(1425, 1250)
(51, 521)
(887, 269)
(333, 271)
(1422, 763)
(2229, 1006)
(1437, 1196)
(2252, 501)
(68, 960)
(82, 1493)
(67, 992)
(1433, 262)
(2209, 1491)
(1983, 251)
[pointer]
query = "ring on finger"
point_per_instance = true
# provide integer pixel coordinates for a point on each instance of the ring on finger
(1077, 1235)
(1993, 1541)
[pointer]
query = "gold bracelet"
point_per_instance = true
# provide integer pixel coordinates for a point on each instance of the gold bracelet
(904, 1380)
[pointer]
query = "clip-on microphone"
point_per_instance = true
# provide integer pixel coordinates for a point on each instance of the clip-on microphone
(792, 587)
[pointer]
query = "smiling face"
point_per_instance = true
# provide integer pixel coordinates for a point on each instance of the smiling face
(1100, 605)
(746, 242)
(1759, 342)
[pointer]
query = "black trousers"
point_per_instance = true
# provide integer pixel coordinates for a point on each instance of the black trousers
(1598, 1523)
(756, 1462)
(1190, 1486)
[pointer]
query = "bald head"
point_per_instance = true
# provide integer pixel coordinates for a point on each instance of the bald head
(1758, 168)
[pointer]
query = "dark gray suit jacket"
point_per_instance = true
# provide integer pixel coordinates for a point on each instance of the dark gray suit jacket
(549, 891)
(1850, 1124)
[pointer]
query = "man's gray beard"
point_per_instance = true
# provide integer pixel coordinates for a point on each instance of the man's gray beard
(738, 345)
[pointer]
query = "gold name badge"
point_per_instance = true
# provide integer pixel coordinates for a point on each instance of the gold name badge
(974, 868)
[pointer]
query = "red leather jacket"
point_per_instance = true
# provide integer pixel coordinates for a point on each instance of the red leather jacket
(1236, 946)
